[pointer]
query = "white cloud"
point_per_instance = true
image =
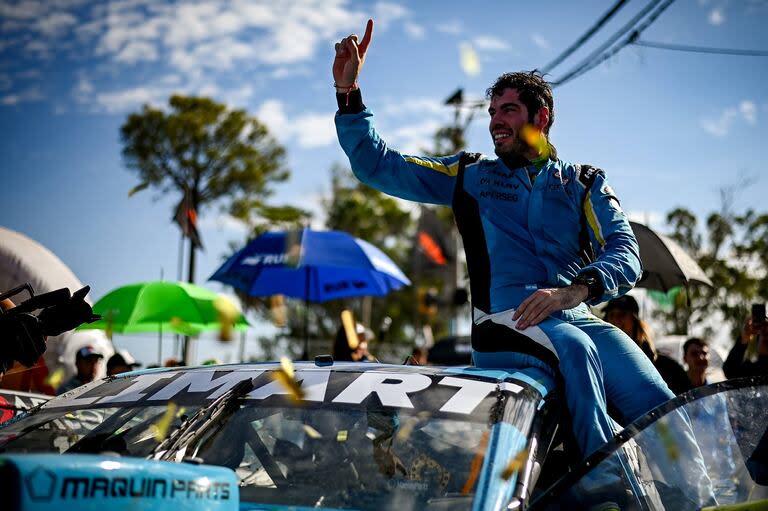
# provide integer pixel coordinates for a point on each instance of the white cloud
(128, 99)
(23, 10)
(748, 111)
(413, 138)
(83, 89)
(308, 130)
(37, 48)
(722, 124)
(289, 72)
(55, 24)
(386, 12)
(452, 27)
(486, 42)
(25, 96)
(716, 17)
(136, 51)
(540, 41)
(413, 30)
(411, 106)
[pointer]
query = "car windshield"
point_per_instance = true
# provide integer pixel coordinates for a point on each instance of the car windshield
(707, 448)
(128, 431)
(377, 439)
(342, 457)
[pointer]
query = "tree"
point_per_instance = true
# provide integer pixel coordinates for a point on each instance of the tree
(733, 254)
(209, 155)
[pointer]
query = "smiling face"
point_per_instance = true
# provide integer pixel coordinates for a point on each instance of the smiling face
(508, 117)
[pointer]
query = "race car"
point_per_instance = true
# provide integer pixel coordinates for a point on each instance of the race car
(13, 402)
(328, 435)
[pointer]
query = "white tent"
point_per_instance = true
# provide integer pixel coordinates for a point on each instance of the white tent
(23, 260)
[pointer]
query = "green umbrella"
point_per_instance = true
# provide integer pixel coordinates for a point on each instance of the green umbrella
(165, 306)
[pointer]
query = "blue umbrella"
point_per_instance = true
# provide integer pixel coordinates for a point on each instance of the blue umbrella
(315, 266)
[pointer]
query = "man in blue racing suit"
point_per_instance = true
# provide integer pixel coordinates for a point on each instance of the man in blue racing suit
(520, 218)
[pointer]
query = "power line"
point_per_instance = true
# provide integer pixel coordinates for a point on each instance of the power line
(596, 58)
(701, 49)
(581, 40)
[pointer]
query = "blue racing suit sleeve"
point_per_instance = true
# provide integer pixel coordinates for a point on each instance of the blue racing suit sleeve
(617, 263)
(416, 178)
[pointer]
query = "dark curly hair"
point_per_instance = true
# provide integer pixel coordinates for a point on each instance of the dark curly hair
(534, 91)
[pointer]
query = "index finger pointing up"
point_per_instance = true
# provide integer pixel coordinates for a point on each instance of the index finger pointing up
(363, 46)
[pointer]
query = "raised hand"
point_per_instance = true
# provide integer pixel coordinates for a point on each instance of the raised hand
(350, 57)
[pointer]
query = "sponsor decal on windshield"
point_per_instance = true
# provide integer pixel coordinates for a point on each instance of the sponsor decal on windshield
(396, 389)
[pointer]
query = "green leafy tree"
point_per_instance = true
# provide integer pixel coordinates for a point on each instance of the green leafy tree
(207, 154)
(733, 253)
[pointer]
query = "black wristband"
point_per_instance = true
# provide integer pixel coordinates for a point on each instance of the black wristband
(350, 102)
(592, 283)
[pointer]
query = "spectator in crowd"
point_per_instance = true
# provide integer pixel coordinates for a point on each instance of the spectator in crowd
(347, 350)
(86, 362)
(121, 362)
(623, 312)
(696, 358)
(738, 364)
(418, 356)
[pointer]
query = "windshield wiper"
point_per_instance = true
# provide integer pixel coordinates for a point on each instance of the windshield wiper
(192, 428)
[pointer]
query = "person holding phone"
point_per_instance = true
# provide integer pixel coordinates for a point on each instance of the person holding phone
(740, 363)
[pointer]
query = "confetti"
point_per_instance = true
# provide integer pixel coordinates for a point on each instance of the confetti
(182, 327)
(536, 139)
(312, 432)
(227, 314)
(668, 441)
(348, 320)
(285, 377)
(55, 378)
(287, 366)
(477, 464)
(407, 428)
(514, 465)
(160, 428)
(470, 62)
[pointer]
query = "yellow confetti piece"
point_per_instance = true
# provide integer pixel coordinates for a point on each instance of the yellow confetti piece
(287, 366)
(160, 428)
(668, 440)
(341, 436)
(312, 432)
(348, 320)
(55, 378)
(536, 139)
(110, 325)
(514, 465)
(227, 315)
(295, 391)
(477, 464)
(470, 62)
(407, 427)
(183, 327)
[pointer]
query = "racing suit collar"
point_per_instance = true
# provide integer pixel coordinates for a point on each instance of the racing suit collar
(515, 161)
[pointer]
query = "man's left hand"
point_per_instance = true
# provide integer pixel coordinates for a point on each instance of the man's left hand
(537, 307)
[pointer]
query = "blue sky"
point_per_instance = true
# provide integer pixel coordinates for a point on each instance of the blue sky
(670, 128)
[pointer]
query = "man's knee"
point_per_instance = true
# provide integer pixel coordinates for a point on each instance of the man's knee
(575, 347)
